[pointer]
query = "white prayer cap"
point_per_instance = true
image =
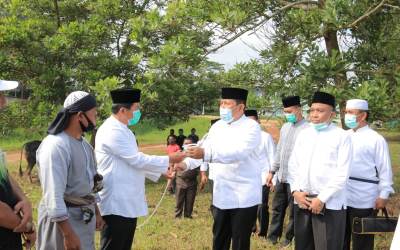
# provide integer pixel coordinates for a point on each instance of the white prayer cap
(7, 85)
(357, 104)
(74, 97)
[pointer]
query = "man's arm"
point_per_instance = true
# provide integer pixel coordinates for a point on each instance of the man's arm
(23, 207)
(8, 218)
(71, 240)
(384, 168)
(277, 159)
(122, 146)
(234, 153)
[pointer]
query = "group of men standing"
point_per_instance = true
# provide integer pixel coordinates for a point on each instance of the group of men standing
(324, 174)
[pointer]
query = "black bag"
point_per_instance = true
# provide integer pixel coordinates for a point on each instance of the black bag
(375, 224)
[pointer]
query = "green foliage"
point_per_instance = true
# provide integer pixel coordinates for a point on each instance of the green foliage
(102, 90)
(339, 46)
(55, 47)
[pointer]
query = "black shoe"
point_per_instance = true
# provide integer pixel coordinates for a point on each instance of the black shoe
(286, 243)
(262, 235)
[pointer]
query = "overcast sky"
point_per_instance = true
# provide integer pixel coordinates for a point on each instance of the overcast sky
(237, 51)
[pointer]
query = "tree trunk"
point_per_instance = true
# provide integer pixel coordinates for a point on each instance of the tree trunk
(332, 45)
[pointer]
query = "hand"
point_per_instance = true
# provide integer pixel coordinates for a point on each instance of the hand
(180, 166)
(272, 188)
(380, 203)
(24, 208)
(270, 176)
(195, 152)
(29, 239)
(300, 198)
(316, 206)
(72, 242)
(170, 174)
(100, 223)
(203, 180)
(176, 157)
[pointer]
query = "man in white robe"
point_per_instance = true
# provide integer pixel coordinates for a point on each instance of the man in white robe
(124, 169)
(371, 179)
(319, 168)
(232, 146)
(266, 158)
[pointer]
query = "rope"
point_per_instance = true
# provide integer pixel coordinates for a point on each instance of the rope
(154, 211)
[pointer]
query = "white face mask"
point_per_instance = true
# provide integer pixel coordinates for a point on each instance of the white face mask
(320, 126)
(226, 114)
(351, 121)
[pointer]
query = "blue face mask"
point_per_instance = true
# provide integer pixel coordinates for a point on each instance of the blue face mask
(351, 121)
(320, 126)
(226, 114)
(291, 118)
(136, 117)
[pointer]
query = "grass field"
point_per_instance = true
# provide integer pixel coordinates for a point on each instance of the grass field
(165, 232)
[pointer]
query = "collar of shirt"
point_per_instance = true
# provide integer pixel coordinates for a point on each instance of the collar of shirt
(360, 130)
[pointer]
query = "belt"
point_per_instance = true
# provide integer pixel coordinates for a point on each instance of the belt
(363, 180)
(72, 201)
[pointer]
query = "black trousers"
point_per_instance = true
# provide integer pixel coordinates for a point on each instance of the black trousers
(10, 240)
(319, 232)
(262, 213)
(283, 199)
(118, 232)
(359, 241)
(185, 200)
(235, 225)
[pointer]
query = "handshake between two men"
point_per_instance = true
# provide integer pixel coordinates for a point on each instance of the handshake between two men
(176, 159)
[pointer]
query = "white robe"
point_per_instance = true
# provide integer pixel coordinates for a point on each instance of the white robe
(233, 150)
(320, 164)
(124, 170)
(371, 161)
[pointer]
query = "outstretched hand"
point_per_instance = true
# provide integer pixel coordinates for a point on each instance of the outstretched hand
(195, 152)
(170, 174)
(176, 157)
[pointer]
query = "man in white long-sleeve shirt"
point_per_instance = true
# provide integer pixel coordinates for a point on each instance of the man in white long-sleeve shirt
(232, 146)
(319, 164)
(124, 169)
(267, 154)
(370, 182)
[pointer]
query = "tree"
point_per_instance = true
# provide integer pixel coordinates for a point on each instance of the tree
(54, 47)
(322, 44)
